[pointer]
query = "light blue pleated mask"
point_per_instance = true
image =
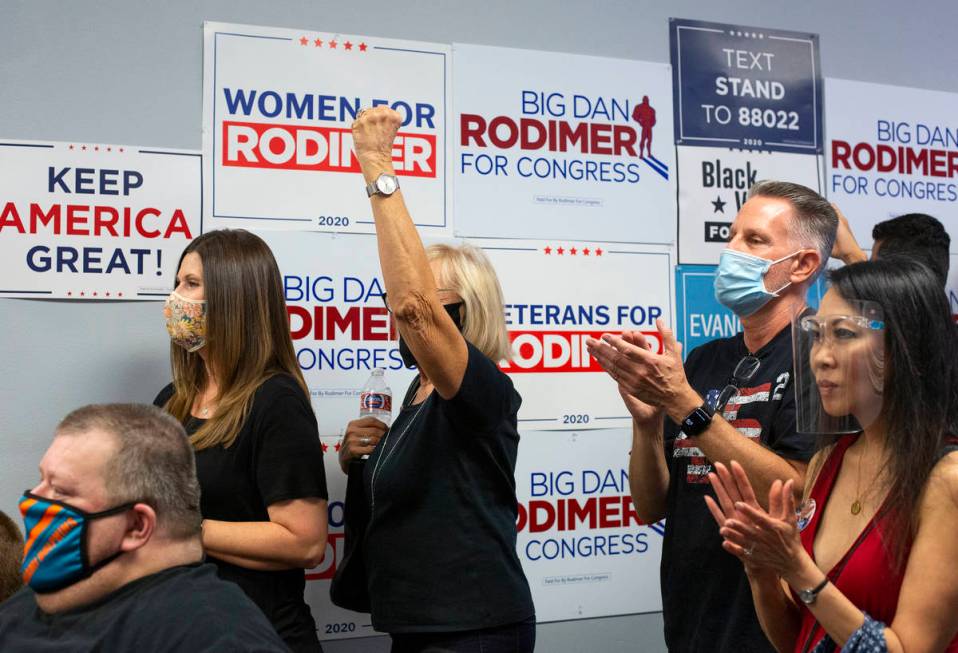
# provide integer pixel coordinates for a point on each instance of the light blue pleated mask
(740, 281)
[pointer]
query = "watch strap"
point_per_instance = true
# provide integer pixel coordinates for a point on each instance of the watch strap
(697, 421)
(808, 596)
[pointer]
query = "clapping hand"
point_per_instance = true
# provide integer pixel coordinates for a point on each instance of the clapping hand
(760, 539)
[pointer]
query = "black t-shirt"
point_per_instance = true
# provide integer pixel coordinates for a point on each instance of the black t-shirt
(440, 547)
(277, 456)
(706, 601)
(178, 609)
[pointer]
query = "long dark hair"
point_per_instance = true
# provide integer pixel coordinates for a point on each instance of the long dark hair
(920, 381)
(247, 333)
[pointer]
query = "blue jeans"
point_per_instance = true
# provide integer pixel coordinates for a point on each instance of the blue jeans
(512, 638)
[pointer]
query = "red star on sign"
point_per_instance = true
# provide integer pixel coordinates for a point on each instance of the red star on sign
(339, 445)
(362, 47)
(560, 251)
(71, 147)
(303, 41)
(108, 294)
(96, 149)
(83, 148)
(109, 149)
(548, 250)
(586, 251)
(332, 44)
(572, 251)
(348, 45)
(325, 447)
(70, 293)
(81, 294)
(598, 251)
(318, 43)
(121, 149)
(94, 294)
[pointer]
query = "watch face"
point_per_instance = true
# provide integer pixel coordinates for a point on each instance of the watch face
(386, 184)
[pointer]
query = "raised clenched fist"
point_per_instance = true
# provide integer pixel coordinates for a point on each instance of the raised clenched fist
(374, 131)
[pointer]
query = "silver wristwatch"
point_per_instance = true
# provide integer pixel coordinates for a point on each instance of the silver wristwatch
(383, 185)
(808, 596)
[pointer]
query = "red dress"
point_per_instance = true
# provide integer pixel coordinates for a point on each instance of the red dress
(866, 574)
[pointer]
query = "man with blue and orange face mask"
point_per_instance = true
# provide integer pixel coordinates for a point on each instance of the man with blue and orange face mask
(113, 559)
(733, 398)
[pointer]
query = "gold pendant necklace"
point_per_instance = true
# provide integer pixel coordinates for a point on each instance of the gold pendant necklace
(859, 503)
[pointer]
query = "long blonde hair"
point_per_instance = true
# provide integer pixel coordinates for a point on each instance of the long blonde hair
(468, 272)
(247, 334)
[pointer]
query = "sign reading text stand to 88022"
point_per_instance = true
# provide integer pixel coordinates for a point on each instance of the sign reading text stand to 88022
(746, 87)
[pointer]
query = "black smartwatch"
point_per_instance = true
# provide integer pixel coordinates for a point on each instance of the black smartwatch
(697, 421)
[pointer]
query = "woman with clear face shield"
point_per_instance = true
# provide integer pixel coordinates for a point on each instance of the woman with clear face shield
(867, 561)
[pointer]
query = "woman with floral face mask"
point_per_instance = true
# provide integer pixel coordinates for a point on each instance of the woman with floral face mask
(239, 392)
(868, 561)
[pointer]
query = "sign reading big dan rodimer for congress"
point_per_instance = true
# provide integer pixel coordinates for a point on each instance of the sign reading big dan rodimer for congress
(278, 108)
(562, 146)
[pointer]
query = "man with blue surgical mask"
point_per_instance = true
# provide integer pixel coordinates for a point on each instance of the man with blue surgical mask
(113, 559)
(733, 399)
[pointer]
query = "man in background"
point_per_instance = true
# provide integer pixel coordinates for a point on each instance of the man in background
(915, 235)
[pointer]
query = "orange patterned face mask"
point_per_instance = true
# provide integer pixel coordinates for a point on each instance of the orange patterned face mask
(55, 555)
(186, 321)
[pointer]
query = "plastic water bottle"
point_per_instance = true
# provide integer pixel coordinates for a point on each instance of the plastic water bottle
(376, 399)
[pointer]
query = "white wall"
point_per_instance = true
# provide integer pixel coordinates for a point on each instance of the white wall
(125, 71)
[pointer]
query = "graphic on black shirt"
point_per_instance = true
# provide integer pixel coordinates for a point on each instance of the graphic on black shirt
(698, 466)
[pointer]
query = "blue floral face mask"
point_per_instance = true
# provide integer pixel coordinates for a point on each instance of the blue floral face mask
(55, 555)
(740, 281)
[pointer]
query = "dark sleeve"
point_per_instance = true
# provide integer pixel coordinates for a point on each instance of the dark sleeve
(486, 395)
(164, 396)
(289, 456)
(671, 430)
(668, 433)
(784, 438)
